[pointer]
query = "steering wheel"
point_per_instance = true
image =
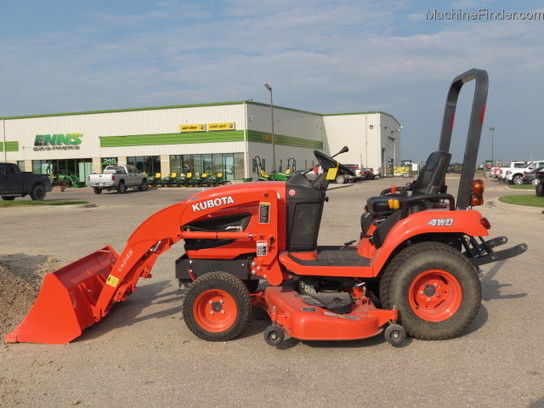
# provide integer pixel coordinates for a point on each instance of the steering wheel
(328, 162)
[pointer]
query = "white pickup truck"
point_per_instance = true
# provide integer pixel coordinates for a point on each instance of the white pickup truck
(500, 172)
(118, 177)
(515, 175)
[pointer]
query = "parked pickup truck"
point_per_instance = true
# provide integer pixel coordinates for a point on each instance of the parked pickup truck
(118, 177)
(515, 175)
(500, 173)
(16, 183)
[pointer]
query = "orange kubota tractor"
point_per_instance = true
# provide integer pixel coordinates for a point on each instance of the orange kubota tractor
(413, 270)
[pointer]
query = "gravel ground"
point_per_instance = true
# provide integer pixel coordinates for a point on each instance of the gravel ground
(142, 354)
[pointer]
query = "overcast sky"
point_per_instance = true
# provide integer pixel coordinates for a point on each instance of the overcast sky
(320, 56)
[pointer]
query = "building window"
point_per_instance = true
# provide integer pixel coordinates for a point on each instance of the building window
(74, 170)
(231, 165)
(147, 164)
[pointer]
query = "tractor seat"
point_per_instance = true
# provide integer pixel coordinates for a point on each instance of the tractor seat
(429, 181)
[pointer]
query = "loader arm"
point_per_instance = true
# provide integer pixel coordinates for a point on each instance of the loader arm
(162, 230)
(82, 293)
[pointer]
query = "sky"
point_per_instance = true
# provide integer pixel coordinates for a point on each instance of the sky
(396, 56)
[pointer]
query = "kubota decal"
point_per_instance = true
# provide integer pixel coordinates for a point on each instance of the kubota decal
(441, 222)
(125, 260)
(216, 202)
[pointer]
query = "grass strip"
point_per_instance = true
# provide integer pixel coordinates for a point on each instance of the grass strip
(527, 200)
(29, 203)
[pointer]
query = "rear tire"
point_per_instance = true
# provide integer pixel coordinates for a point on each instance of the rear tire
(121, 188)
(97, 190)
(217, 306)
(340, 179)
(435, 289)
(143, 186)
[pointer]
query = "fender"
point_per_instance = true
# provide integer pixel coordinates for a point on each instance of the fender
(440, 222)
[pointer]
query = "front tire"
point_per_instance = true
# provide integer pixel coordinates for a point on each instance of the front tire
(217, 306)
(340, 179)
(517, 180)
(539, 190)
(435, 289)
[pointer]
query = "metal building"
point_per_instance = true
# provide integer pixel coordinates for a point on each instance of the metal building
(221, 137)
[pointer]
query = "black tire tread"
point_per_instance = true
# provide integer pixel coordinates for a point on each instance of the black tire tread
(224, 281)
(418, 328)
(539, 189)
(38, 192)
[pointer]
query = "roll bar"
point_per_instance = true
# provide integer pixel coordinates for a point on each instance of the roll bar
(474, 130)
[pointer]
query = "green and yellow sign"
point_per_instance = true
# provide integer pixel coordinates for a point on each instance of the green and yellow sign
(221, 126)
(62, 141)
(192, 128)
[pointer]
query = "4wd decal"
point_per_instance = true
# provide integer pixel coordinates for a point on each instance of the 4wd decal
(441, 222)
(216, 202)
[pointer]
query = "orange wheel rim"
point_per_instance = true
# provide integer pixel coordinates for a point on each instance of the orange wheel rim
(215, 310)
(435, 295)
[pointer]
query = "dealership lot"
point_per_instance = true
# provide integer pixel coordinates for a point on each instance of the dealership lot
(143, 354)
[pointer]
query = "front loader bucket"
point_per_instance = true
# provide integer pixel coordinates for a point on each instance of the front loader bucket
(63, 308)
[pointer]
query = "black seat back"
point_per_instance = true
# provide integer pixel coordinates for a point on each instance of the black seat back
(431, 177)
(430, 181)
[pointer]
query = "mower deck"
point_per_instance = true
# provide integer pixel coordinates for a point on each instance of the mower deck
(306, 322)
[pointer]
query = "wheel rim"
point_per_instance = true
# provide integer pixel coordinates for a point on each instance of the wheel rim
(215, 310)
(435, 295)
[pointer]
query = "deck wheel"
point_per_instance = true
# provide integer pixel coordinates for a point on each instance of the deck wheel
(395, 335)
(274, 335)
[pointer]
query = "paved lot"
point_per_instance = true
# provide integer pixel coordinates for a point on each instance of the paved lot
(143, 355)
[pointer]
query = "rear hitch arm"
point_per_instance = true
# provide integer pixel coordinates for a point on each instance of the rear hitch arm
(481, 254)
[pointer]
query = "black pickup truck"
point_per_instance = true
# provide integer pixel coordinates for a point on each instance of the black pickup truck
(15, 183)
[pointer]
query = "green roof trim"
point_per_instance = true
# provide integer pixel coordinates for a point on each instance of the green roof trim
(124, 110)
(10, 146)
(260, 137)
(172, 138)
